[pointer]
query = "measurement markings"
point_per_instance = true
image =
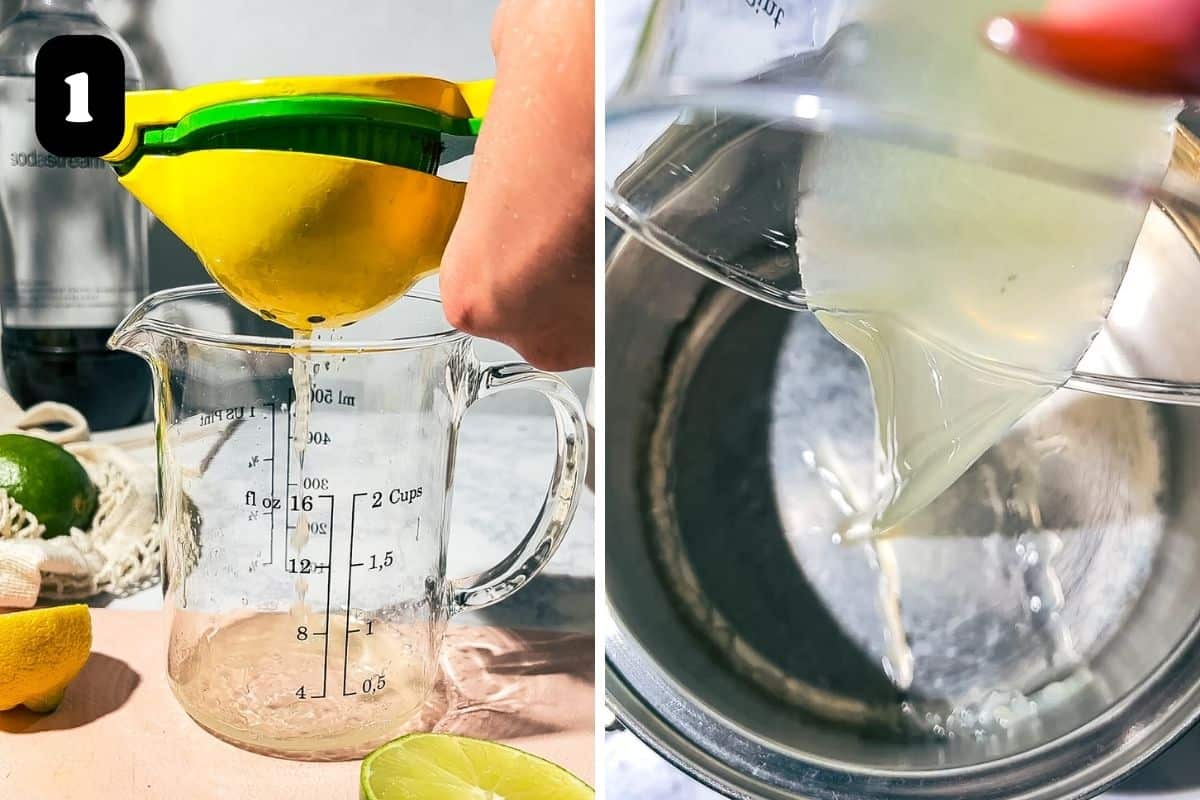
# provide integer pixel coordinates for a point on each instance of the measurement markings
(288, 474)
(271, 511)
(328, 603)
(349, 581)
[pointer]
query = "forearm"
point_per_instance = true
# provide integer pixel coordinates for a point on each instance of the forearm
(520, 267)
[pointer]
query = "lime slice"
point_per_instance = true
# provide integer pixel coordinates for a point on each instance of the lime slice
(433, 766)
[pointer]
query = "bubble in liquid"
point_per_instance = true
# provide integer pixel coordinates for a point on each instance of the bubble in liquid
(1003, 717)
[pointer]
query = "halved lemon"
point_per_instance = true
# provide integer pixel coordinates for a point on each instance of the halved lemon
(41, 651)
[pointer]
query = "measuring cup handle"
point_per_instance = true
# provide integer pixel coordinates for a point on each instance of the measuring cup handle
(562, 498)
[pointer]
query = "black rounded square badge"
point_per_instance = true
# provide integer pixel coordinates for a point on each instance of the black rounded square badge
(79, 90)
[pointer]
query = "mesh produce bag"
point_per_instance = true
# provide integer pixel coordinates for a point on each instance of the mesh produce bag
(120, 553)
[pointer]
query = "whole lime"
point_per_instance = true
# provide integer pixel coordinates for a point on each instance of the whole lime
(48, 481)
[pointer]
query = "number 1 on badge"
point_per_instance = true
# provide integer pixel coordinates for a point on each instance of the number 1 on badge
(79, 98)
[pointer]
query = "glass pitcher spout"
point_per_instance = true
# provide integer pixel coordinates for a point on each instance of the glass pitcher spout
(135, 335)
(155, 326)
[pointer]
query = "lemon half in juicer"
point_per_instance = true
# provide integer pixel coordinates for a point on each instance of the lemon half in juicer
(313, 201)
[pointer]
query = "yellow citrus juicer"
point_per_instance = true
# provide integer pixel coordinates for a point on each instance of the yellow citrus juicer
(313, 201)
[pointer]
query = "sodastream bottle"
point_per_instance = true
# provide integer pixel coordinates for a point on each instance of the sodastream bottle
(72, 243)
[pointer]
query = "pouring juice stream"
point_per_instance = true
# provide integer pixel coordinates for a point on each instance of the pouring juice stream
(955, 282)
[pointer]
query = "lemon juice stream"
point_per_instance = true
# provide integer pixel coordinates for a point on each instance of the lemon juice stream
(970, 294)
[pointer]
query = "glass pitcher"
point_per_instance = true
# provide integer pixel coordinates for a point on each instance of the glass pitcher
(734, 114)
(306, 542)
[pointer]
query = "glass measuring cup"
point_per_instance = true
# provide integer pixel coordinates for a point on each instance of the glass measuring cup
(727, 104)
(307, 589)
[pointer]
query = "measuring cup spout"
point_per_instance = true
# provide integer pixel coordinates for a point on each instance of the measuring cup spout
(135, 334)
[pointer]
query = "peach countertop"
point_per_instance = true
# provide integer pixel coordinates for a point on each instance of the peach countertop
(120, 733)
